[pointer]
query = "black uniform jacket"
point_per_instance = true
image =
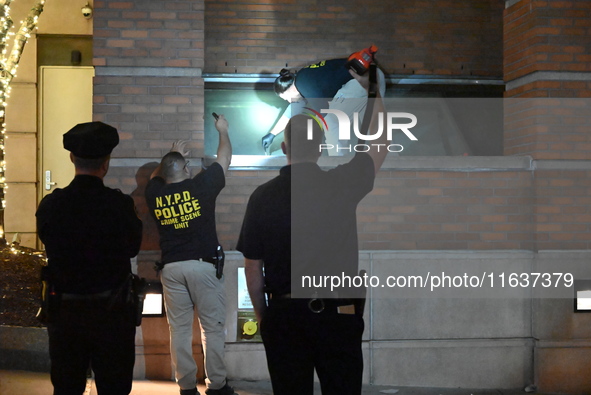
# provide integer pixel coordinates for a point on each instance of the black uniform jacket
(90, 233)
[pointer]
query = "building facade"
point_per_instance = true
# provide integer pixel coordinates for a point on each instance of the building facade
(525, 208)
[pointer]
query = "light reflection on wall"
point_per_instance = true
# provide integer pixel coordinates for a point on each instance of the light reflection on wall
(251, 114)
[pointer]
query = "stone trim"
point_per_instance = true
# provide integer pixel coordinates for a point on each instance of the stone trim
(548, 76)
(147, 71)
(439, 163)
(393, 79)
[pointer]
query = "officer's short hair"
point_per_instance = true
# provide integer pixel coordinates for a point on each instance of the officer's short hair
(299, 145)
(171, 163)
(90, 163)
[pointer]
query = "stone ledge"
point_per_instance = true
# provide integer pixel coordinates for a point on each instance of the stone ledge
(402, 163)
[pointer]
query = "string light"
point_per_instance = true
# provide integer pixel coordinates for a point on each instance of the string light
(8, 67)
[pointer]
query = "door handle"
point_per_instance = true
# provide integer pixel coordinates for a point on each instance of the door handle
(48, 183)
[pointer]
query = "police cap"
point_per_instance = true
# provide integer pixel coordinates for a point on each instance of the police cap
(91, 140)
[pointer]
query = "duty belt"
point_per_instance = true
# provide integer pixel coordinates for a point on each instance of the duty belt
(209, 260)
(318, 305)
(95, 296)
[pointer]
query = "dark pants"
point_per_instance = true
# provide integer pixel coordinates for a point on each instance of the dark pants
(297, 341)
(89, 334)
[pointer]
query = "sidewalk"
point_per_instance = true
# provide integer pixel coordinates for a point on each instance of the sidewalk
(30, 383)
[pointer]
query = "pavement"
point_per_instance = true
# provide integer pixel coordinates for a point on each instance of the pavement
(16, 382)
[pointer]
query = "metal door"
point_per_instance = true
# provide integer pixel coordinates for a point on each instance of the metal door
(65, 100)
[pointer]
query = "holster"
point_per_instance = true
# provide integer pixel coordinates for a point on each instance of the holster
(130, 295)
(220, 259)
(138, 295)
(158, 266)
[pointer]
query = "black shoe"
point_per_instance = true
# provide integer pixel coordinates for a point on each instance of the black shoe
(225, 390)
(190, 392)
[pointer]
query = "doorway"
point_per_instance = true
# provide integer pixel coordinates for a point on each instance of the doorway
(65, 99)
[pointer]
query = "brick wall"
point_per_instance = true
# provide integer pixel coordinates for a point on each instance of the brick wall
(151, 112)
(548, 128)
(148, 33)
(154, 101)
(563, 209)
(546, 55)
(548, 208)
(448, 210)
(407, 210)
(415, 37)
(546, 69)
(546, 36)
(148, 58)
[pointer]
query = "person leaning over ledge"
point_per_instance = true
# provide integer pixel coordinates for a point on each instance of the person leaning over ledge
(90, 233)
(326, 84)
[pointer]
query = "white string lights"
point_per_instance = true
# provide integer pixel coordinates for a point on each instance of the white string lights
(8, 67)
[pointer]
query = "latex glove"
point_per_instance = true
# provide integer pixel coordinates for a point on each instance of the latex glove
(268, 140)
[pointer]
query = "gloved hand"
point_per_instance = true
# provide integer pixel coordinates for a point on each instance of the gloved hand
(268, 140)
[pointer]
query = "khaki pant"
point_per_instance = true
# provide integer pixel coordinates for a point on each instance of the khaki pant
(190, 285)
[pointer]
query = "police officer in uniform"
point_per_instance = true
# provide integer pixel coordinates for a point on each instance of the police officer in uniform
(303, 222)
(183, 207)
(90, 233)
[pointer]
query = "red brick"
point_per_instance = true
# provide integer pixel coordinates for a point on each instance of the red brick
(408, 209)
